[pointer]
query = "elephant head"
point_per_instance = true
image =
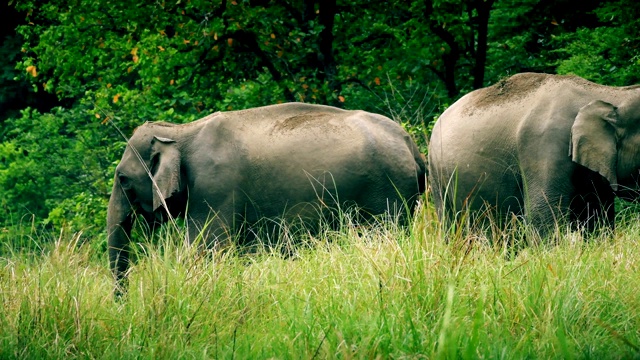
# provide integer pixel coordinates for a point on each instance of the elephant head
(148, 176)
(606, 139)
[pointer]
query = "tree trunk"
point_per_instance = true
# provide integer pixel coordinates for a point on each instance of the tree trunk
(450, 58)
(484, 9)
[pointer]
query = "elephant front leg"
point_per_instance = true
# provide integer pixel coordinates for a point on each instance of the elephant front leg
(546, 210)
(209, 231)
(593, 205)
(592, 211)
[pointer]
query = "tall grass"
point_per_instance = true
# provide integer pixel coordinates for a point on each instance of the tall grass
(375, 292)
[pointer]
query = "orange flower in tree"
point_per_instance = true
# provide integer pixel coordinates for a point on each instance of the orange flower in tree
(32, 70)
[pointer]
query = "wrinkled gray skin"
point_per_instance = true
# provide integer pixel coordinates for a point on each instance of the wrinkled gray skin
(550, 148)
(282, 161)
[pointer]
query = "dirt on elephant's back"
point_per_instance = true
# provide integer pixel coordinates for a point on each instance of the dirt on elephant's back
(510, 89)
(304, 121)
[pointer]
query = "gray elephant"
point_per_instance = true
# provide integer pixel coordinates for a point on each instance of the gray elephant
(553, 149)
(291, 161)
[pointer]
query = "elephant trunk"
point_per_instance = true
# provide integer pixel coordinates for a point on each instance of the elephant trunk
(119, 223)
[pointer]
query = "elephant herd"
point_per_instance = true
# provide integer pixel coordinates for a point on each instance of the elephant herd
(545, 148)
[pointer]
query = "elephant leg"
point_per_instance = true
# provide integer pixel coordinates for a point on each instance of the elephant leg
(453, 206)
(593, 206)
(546, 209)
(590, 212)
(208, 232)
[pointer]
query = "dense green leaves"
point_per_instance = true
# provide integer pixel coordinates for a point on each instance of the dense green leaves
(110, 66)
(609, 54)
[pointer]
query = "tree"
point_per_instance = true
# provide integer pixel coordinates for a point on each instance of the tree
(608, 54)
(465, 36)
(16, 93)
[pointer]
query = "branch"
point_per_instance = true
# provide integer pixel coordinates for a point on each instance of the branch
(373, 37)
(355, 81)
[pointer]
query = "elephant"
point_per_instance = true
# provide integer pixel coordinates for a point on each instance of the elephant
(547, 149)
(295, 162)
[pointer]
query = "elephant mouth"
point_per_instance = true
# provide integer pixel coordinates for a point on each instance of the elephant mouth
(146, 207)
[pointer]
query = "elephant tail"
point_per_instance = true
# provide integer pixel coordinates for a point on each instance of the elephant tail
(423, 172)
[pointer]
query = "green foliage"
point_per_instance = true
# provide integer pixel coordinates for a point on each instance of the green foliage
(9, 89)
(609, 54)
(47, 158)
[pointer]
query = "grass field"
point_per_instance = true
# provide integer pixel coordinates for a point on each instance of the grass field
(380, 292)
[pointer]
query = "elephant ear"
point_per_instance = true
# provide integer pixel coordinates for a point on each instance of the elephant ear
(593, 139)
(165, 169)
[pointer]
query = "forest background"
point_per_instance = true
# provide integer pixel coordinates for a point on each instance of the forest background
(76, 77)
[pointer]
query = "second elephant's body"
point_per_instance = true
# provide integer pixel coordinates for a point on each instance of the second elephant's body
(549, 148)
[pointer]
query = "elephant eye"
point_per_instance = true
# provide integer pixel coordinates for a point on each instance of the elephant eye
(123, 180)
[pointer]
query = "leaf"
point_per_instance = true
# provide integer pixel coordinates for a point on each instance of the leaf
(551, 269)
(97, 116)
(115, 98)
(134, 52)
(341, 98)
(31, 69)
